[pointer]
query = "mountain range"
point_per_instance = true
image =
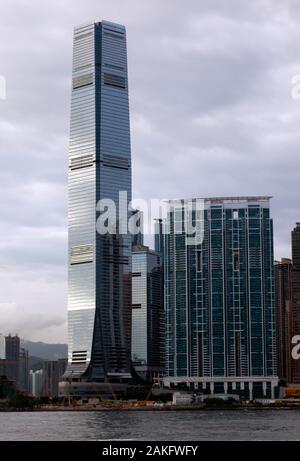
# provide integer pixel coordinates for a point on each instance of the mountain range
(45, 350)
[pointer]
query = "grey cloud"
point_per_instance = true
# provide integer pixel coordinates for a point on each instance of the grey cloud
(211, 114)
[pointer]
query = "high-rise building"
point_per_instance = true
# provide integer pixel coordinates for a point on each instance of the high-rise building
(219, 298)
(62, 365)
(36, 380)
(99, 301)
(24, 370)
(295, 299)
(2, 347)
(50, 378)
(53, 370)
(283, 275)
(12, 354)
(148, 326)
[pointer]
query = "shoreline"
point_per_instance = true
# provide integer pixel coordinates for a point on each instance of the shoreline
(151, 409)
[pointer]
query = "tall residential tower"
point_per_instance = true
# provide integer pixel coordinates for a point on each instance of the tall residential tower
(219, 299)
(287, 289)
(99, 300)
(295, 301)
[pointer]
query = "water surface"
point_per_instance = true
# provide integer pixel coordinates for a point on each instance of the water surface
(148, 425)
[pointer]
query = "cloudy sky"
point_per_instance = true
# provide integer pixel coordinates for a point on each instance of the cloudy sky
(211, 114)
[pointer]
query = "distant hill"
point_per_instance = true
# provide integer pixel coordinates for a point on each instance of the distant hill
(46, 351)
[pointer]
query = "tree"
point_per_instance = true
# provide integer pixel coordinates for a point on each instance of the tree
(22, 401)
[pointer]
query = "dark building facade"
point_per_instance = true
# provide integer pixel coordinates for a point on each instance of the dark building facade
(12, 358)
(24, 370)
(295, 299)
(52, 372)
(2, 367)
(283, 275)
(287, 290)
(99, 301)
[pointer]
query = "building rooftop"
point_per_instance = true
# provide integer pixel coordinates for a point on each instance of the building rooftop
(143, 249)
(259, 198)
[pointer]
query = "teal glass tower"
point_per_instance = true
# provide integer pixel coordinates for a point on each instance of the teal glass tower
(219, 299)
(99, 296)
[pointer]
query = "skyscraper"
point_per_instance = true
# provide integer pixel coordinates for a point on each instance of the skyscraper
(12, 354)
(283, 276)
(148, 332)
(24, 370)
(296, 246)
(219, 300)
(295, 301)
(50, 378)
(99, 301)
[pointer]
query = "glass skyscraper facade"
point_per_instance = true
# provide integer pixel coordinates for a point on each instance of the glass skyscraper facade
(12, 357)
(219, 299)
(99, 296)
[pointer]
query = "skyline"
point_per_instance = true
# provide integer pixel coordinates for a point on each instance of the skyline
(34, 217)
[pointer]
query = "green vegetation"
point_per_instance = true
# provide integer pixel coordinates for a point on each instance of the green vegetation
(20, 401)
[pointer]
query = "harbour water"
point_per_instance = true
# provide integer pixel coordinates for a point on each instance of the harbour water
(152, 426)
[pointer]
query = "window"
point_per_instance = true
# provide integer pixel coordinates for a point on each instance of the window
(115, 161)
(238, 353)
(112, 66)
(114, 80)
(79, 356)
(236, 261)
(136, 274)
(200, 353)
(81, 162)
(235, 214)
(136, 306)
(199, 261)
(83, 81)
(109, 34)
(81, 254)
(114, 30)
(81, 36)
